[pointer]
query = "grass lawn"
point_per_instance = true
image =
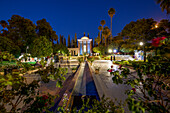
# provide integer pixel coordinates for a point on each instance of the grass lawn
(7, 63)
(30, 62)
(13, 63)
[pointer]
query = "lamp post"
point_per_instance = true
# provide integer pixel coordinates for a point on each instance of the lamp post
(142, 44)
(110, 51)
(114, 53)
(27, 48)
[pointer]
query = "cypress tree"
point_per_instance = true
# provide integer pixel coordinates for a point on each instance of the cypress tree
(61, 39)
(69, 45)
(95, 43)
(64, 41)
(75, 41)
(72, 43)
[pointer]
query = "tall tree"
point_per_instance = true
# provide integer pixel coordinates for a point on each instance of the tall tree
(98, 40)
(100, 49)
(106, 33)
(75, 41)
(69, 44)
(60, 48)
(61, 39)
(92, 43)
(111, 12)
(103, 22)
(163, 28)
(56, 38)
(22, 31)
(100, 29)
(4, 24)
(64, 42)
(7, 44)
(139, 31)
(164, 4)
(57, 42)
(44, 28)
(72, 43)
(41, 47)
(95, 45)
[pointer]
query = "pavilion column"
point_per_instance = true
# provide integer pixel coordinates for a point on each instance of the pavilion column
(86, 47)
(90, 47)
(82, 47)
(79, 48)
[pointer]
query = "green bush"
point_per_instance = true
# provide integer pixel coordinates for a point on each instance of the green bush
(80, 59)
(27, 66)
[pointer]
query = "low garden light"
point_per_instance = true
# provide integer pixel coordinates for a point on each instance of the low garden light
(109, 50)
(141, 43)
(114, 50)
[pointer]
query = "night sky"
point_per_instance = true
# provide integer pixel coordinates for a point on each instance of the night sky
(79, 16)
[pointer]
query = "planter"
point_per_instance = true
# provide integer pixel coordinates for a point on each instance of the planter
(96, 71)
(73, 71)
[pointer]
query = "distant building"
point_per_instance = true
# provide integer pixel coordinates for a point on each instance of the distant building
(84, 46)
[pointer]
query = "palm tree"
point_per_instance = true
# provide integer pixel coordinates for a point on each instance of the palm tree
(106, 33)
(98, 40)
(111, 12)
(103, 22)
(100, 29)
(164, 4)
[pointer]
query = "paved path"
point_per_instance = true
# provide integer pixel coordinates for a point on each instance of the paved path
(104, 82)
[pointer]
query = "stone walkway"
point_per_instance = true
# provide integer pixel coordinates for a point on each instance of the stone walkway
(104, 82)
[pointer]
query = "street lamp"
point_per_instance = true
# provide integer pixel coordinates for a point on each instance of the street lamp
(114, 50)
(141, 43)
(27, 48)
(109, 50)
(156, 26)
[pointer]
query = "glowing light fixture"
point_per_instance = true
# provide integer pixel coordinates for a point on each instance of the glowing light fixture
(114, 50)
(141, 43)
(109, 50)
(156, 26)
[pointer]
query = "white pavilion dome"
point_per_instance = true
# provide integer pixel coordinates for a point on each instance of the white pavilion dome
(84, 37)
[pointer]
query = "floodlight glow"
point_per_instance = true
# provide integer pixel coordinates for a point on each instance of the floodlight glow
(114, 50)
(141, 43)
(109, 50)
(156, 26)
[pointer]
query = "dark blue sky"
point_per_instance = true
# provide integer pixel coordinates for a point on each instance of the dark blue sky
(79, 16)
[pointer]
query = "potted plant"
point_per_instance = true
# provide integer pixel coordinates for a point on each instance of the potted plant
(74, 69)
(97, 68)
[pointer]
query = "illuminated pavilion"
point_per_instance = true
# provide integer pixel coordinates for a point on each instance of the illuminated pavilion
(84, 45)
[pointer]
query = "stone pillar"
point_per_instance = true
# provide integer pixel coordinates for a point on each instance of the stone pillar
(91, 47)
(86, 47)
(82, 47)
(81, 52)
(78, 48)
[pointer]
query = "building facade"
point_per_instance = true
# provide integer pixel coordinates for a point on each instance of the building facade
(73, 51)
(84, 46)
